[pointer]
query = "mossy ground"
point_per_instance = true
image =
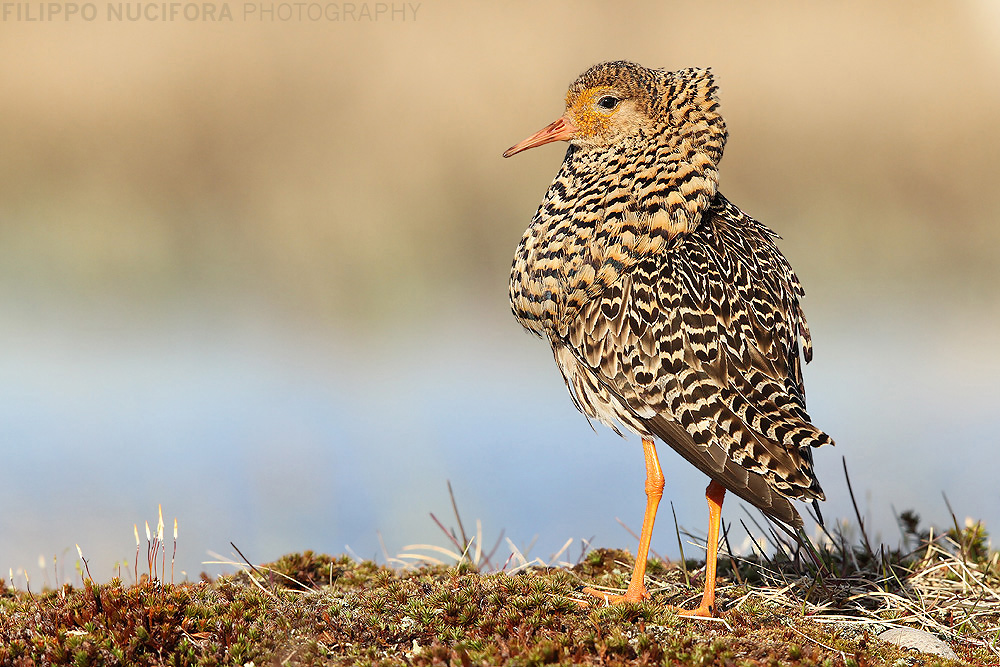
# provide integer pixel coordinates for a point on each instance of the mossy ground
(309, 609)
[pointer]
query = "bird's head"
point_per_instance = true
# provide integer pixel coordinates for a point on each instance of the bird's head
(614, 101)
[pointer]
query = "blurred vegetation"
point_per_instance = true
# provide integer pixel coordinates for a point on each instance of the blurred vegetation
(351, 172)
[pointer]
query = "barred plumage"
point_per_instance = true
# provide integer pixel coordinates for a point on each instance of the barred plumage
(669, 310)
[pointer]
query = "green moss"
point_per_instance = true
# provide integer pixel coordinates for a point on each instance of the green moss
(362, 613)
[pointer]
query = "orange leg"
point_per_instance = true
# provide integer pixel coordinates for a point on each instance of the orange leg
(636, 591)
(654, 491)
(715, 494)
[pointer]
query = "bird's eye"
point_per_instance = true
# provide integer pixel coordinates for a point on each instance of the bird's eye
(608, 102)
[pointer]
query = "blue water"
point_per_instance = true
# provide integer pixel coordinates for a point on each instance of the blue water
(280, 437)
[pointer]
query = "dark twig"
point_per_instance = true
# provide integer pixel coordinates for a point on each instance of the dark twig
(247, 561)
(488, 557)
(449, 534)
(85, 564)
(958, 531)
(152, 545)
(781, 546)
(857, 512)
(756, 546)
(760, 528)
(461, 528)
(729, 553)
(680, 546)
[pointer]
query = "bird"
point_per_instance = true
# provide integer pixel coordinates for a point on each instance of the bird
(671, 313)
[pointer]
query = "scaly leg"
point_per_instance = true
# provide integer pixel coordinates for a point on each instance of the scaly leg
(636, 591)
(715, 494)
(654, 491)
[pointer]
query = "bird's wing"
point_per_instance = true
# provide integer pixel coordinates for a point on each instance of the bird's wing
(701, 344)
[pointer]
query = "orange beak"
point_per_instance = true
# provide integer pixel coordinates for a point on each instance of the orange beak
(560, 130)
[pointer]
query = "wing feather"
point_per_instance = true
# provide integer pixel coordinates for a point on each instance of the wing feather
(699, 346)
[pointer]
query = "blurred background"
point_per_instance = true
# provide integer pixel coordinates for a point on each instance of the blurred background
(256, 270)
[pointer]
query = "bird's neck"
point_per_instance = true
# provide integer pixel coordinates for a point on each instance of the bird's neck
(606, 211)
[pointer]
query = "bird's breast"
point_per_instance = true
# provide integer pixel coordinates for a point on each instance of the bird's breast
(604, 213)
(555, 263)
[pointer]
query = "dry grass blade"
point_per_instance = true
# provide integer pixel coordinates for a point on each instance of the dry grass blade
(457, 557)
(947, 583)
(420, 558)
(937, 588)
(554, 559)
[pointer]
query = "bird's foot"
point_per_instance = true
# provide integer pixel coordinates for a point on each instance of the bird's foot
(702, 611)
(607, 599)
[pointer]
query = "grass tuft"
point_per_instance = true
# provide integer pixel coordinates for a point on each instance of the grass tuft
(473, 607)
